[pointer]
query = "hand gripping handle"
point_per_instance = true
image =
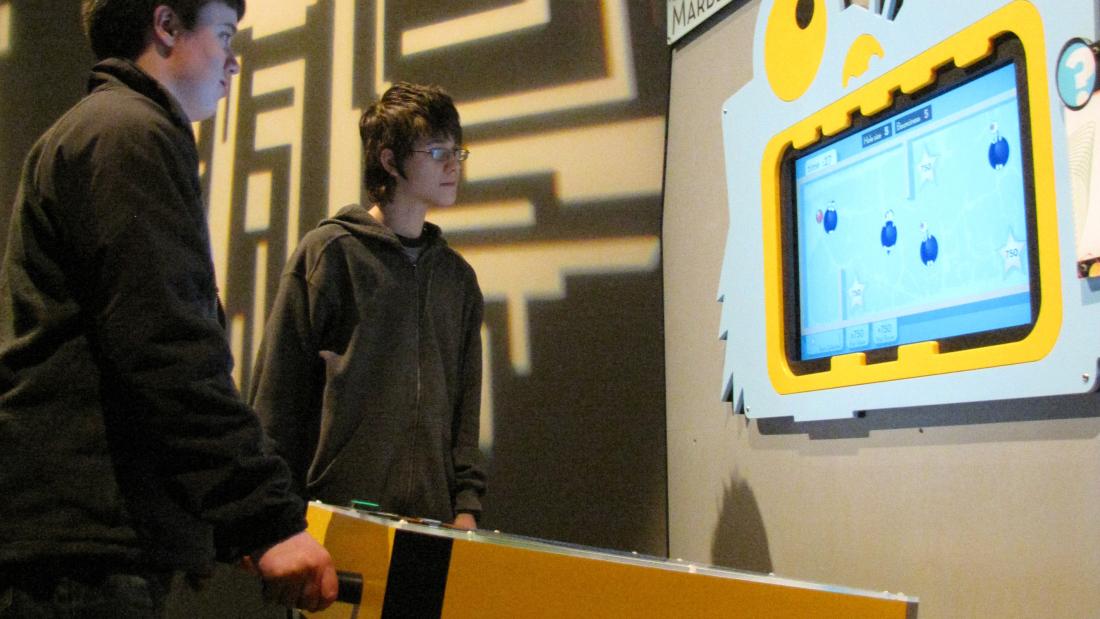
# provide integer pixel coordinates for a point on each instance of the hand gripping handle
(350, 587)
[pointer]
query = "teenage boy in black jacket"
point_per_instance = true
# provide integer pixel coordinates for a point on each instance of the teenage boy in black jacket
(369, 375)
(126, 453)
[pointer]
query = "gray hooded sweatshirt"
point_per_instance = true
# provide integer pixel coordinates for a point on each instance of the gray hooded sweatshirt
(369, 375)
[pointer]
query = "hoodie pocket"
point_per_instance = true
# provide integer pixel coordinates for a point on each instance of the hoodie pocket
(366, 467)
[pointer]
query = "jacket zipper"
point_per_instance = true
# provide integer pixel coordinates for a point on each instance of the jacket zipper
(416, 418)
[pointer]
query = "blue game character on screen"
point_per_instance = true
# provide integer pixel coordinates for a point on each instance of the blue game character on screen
(830, 217)
(929, 247)
(998, 148)
(889, 235)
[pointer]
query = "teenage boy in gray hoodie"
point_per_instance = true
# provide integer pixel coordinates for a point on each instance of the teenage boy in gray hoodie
(369, 375)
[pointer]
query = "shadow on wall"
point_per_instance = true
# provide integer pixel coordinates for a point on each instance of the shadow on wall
(740, 541)
(1078, 406)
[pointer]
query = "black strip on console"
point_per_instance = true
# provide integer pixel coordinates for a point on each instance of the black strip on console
(417, 577)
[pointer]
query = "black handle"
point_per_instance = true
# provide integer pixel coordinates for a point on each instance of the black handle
(350, 587)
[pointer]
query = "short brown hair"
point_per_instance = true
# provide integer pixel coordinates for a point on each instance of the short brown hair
(405, 113)
(120, 28)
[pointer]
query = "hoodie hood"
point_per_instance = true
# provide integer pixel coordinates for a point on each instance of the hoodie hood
(358, 221)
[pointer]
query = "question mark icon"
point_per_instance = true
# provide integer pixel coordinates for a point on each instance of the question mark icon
(1076, 73)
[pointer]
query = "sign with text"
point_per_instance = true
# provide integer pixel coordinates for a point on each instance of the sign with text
(684, 15)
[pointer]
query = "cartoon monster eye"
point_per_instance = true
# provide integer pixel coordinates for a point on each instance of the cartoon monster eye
(804, 13)
(794, 41)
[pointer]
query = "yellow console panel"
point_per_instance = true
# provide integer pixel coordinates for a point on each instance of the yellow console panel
(420, 569)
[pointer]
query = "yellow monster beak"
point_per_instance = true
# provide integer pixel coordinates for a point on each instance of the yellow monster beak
(859, 57)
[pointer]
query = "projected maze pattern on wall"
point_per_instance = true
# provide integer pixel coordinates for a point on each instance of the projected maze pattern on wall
(564, 176)
(5, 28)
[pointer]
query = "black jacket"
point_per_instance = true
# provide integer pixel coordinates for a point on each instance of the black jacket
(369, 375)
(123, 441)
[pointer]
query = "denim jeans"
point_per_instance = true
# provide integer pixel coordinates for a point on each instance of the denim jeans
(121, 596)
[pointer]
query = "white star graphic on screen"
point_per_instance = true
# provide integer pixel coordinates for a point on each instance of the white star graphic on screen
(1012, 251)
(855, 295)
(926, 167)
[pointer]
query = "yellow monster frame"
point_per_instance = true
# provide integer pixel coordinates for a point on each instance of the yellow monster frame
(972, 45)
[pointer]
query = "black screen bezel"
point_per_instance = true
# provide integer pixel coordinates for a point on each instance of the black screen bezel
(1006, 49)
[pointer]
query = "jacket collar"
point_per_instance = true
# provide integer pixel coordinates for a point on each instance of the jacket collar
(120, 72)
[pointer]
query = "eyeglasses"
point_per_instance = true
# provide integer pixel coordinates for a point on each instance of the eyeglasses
(439, 153)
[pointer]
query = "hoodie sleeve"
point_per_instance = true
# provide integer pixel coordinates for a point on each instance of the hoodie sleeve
(469, 469)
(289, 377)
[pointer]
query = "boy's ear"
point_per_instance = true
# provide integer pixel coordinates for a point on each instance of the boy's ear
(166, 26)
(389, 162)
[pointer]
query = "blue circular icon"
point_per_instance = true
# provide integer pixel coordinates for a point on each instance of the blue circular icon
(1076, 73)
